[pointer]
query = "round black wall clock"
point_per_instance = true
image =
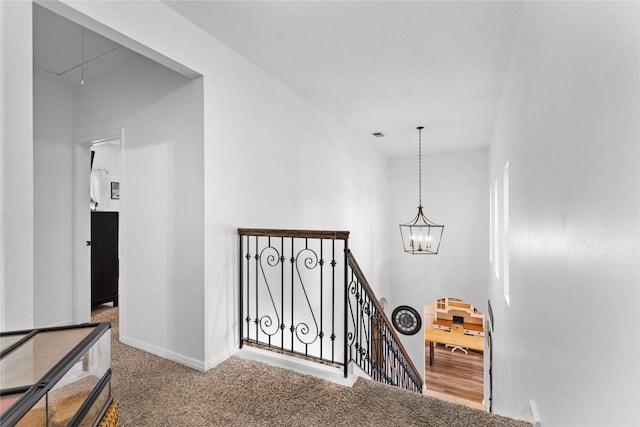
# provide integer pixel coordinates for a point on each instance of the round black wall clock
(406, 320)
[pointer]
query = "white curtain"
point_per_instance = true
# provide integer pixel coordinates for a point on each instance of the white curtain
(99, 190)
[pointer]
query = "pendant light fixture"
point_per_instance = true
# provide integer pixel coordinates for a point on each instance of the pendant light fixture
(421, 236)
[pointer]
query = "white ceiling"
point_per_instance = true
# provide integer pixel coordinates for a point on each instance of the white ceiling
(376, 66)
(58, 45)
(379, 66)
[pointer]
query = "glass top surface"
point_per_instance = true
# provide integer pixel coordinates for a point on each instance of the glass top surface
(8, 340)
(32, 360)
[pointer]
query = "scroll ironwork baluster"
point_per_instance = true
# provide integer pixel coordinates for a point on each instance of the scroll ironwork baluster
(374, 345)
(269, 258)
(359, 318)
(308, 259)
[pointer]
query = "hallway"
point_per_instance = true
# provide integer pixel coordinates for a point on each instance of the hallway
(153, 391)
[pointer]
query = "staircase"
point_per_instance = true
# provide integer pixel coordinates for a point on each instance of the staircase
(303, 293)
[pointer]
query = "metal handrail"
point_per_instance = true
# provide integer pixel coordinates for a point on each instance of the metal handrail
(302, 234)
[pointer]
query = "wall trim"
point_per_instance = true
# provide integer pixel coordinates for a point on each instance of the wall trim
(318, 370)
(215, 361)
(164, 353)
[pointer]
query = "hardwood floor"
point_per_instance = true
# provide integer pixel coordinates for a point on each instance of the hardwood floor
(455, 374)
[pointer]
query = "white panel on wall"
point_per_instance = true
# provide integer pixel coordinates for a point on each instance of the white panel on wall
(2, 103)
(490, 225)
(52, 161)
(505, 231)
(568, 123)
(17, 305)
(496, 229)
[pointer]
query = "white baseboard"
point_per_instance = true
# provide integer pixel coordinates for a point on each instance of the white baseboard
(357, 372)
(530, 413)
(164, 353)
(215, 361)
(318, 370)
(535, 413)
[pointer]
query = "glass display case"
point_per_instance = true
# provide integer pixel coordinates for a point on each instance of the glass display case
(55, 376)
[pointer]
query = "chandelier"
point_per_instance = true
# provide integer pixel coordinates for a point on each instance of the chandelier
(421, 236)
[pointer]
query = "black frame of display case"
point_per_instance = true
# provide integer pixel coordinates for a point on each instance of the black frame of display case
(91, 399)
(38, 390)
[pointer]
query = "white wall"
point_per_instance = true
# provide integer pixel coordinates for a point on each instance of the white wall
(270, 160)
(16, 208)
(107, 157)
(294, 168)
(2, 108)
(52, 180)
(454, 193)
(568, 125)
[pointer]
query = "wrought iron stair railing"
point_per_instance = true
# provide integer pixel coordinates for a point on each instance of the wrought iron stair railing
(373, 342)
(303, 293)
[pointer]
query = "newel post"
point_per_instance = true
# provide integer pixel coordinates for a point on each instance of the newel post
(346, 302)
(240, 300)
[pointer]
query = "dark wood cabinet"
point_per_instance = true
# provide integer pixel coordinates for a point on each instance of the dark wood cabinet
(105, 268)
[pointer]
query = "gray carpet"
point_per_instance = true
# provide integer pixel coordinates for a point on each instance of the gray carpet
(156, 392)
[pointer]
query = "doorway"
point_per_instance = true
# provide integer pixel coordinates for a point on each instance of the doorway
(104, 202)
(454, 352)
(97, 167)
(163, 171)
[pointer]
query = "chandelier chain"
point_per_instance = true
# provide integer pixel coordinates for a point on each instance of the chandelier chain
(420, 166)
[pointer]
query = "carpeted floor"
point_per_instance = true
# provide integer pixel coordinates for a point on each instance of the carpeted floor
(156, 392)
